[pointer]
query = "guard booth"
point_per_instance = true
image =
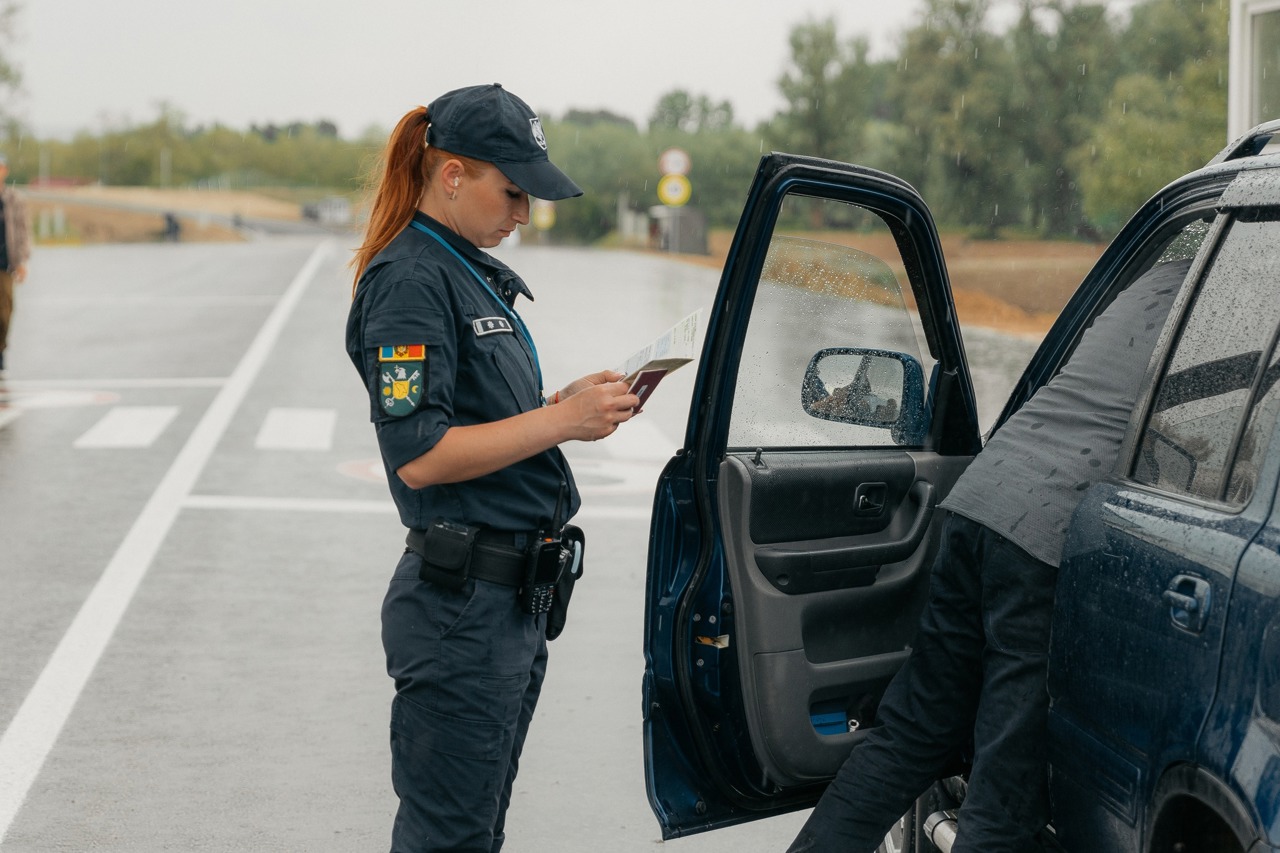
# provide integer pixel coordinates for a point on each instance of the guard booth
(678, 229)
(1254, 86)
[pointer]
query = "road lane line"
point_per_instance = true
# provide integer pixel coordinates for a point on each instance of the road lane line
(257, 504)
(297, 429)
(127, 427)
(35, 728)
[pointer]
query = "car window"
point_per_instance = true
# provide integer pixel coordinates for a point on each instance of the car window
(1214, 369)
(832, 278)
(1257, 435)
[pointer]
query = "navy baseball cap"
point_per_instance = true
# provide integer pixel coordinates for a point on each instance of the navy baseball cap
(489, 123)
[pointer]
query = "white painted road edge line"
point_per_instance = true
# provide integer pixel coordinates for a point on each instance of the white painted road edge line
(35, 728)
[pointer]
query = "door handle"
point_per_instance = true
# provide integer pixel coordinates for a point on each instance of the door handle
(1189, 599)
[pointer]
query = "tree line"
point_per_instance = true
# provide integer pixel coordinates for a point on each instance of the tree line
(1059, 124)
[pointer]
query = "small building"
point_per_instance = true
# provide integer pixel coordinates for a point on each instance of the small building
(332, 210)
(1254, 63)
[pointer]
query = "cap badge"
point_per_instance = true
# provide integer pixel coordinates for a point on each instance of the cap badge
(538, 137)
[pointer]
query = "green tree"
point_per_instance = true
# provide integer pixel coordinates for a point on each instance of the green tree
(953, 87)
(1157, 126)
(825, 87)
(1065, 54)
(680, 110)
(10, 76)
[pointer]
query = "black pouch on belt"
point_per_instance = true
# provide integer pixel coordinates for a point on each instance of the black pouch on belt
(445, 549)
(574, 543)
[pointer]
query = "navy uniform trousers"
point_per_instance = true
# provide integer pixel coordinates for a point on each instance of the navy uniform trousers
(978, 665)
(468, 667)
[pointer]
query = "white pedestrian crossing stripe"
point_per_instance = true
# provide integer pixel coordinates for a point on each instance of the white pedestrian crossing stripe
(128, 427)
(297, 429)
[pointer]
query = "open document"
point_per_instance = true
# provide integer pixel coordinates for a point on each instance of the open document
(674, 348)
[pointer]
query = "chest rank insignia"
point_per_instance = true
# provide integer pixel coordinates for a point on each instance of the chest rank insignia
(401, 377)
(491, 326)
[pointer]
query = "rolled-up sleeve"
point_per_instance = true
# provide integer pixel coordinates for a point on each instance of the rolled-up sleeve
(410, 312)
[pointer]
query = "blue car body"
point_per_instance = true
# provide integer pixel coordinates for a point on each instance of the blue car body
(781, 599)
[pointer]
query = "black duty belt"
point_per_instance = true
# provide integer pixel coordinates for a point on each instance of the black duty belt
(494, 558)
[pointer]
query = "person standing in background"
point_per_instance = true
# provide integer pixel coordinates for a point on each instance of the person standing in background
(15, 247)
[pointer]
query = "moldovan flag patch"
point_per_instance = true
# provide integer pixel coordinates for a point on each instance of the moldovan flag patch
(403, 352)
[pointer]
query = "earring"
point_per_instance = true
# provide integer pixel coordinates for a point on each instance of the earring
(453, 195)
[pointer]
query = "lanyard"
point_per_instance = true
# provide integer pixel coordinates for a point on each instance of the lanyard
(510, 312)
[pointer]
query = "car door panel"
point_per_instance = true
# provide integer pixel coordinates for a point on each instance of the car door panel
(789, 554)
(825, 634)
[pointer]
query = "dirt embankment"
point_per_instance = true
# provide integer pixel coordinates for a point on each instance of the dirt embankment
(62, 215)
(1017, 286)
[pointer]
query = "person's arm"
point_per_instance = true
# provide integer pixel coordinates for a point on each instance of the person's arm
(588, 412)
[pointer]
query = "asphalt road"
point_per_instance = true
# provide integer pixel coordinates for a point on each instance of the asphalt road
(195, 539)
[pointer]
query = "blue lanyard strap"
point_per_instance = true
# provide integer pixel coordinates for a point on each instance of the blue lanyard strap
(510, 312)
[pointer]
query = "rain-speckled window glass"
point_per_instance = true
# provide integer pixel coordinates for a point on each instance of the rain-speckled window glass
(1256, 437)
(1207, 384)
(832, 278)
(1266, 66)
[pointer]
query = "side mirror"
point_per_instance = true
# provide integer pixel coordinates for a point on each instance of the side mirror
(867, 387)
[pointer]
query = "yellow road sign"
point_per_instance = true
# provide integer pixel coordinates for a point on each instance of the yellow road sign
(674, 190)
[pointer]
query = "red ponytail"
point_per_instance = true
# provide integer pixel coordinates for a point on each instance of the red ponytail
(405, 170)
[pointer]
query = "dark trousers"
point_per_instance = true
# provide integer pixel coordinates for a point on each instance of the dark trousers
(468, 667)
(978, 666)
(6, 307)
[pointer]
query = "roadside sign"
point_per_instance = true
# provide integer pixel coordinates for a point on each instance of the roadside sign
(674, 161)
(674, 190)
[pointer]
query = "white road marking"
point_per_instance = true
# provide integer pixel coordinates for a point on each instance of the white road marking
(258, 504)
(35, 728)
(297, 429)
(127, 427)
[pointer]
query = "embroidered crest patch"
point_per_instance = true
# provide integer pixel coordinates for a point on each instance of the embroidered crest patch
(491, 325)
(536, 125)
(401, 377)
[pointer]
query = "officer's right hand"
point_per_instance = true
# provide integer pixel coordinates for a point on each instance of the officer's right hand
(595, 412)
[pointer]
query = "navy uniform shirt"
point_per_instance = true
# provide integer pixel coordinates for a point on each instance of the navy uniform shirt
(436, 349)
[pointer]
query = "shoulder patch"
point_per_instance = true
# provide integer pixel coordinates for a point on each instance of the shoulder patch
(491, 326)
(403, 352)
(401, 378)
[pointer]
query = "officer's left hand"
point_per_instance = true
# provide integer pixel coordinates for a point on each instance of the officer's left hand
(588, 381)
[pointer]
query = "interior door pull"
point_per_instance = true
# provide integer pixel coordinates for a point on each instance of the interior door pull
(869, 498)
(1189, 598)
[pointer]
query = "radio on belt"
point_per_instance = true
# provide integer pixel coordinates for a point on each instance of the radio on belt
(545, 561)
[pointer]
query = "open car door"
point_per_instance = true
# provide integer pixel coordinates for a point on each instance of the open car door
(792, 535)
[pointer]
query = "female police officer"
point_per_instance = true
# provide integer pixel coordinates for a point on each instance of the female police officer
(469, 439)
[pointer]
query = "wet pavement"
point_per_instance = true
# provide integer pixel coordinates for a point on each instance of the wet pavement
(195, 539)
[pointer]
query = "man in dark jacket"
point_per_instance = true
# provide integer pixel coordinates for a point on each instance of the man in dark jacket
(979, 660)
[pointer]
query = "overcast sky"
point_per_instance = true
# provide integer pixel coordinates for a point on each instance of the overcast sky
(91, 64)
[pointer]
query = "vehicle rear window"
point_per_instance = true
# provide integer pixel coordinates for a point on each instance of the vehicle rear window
(1214, 371)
